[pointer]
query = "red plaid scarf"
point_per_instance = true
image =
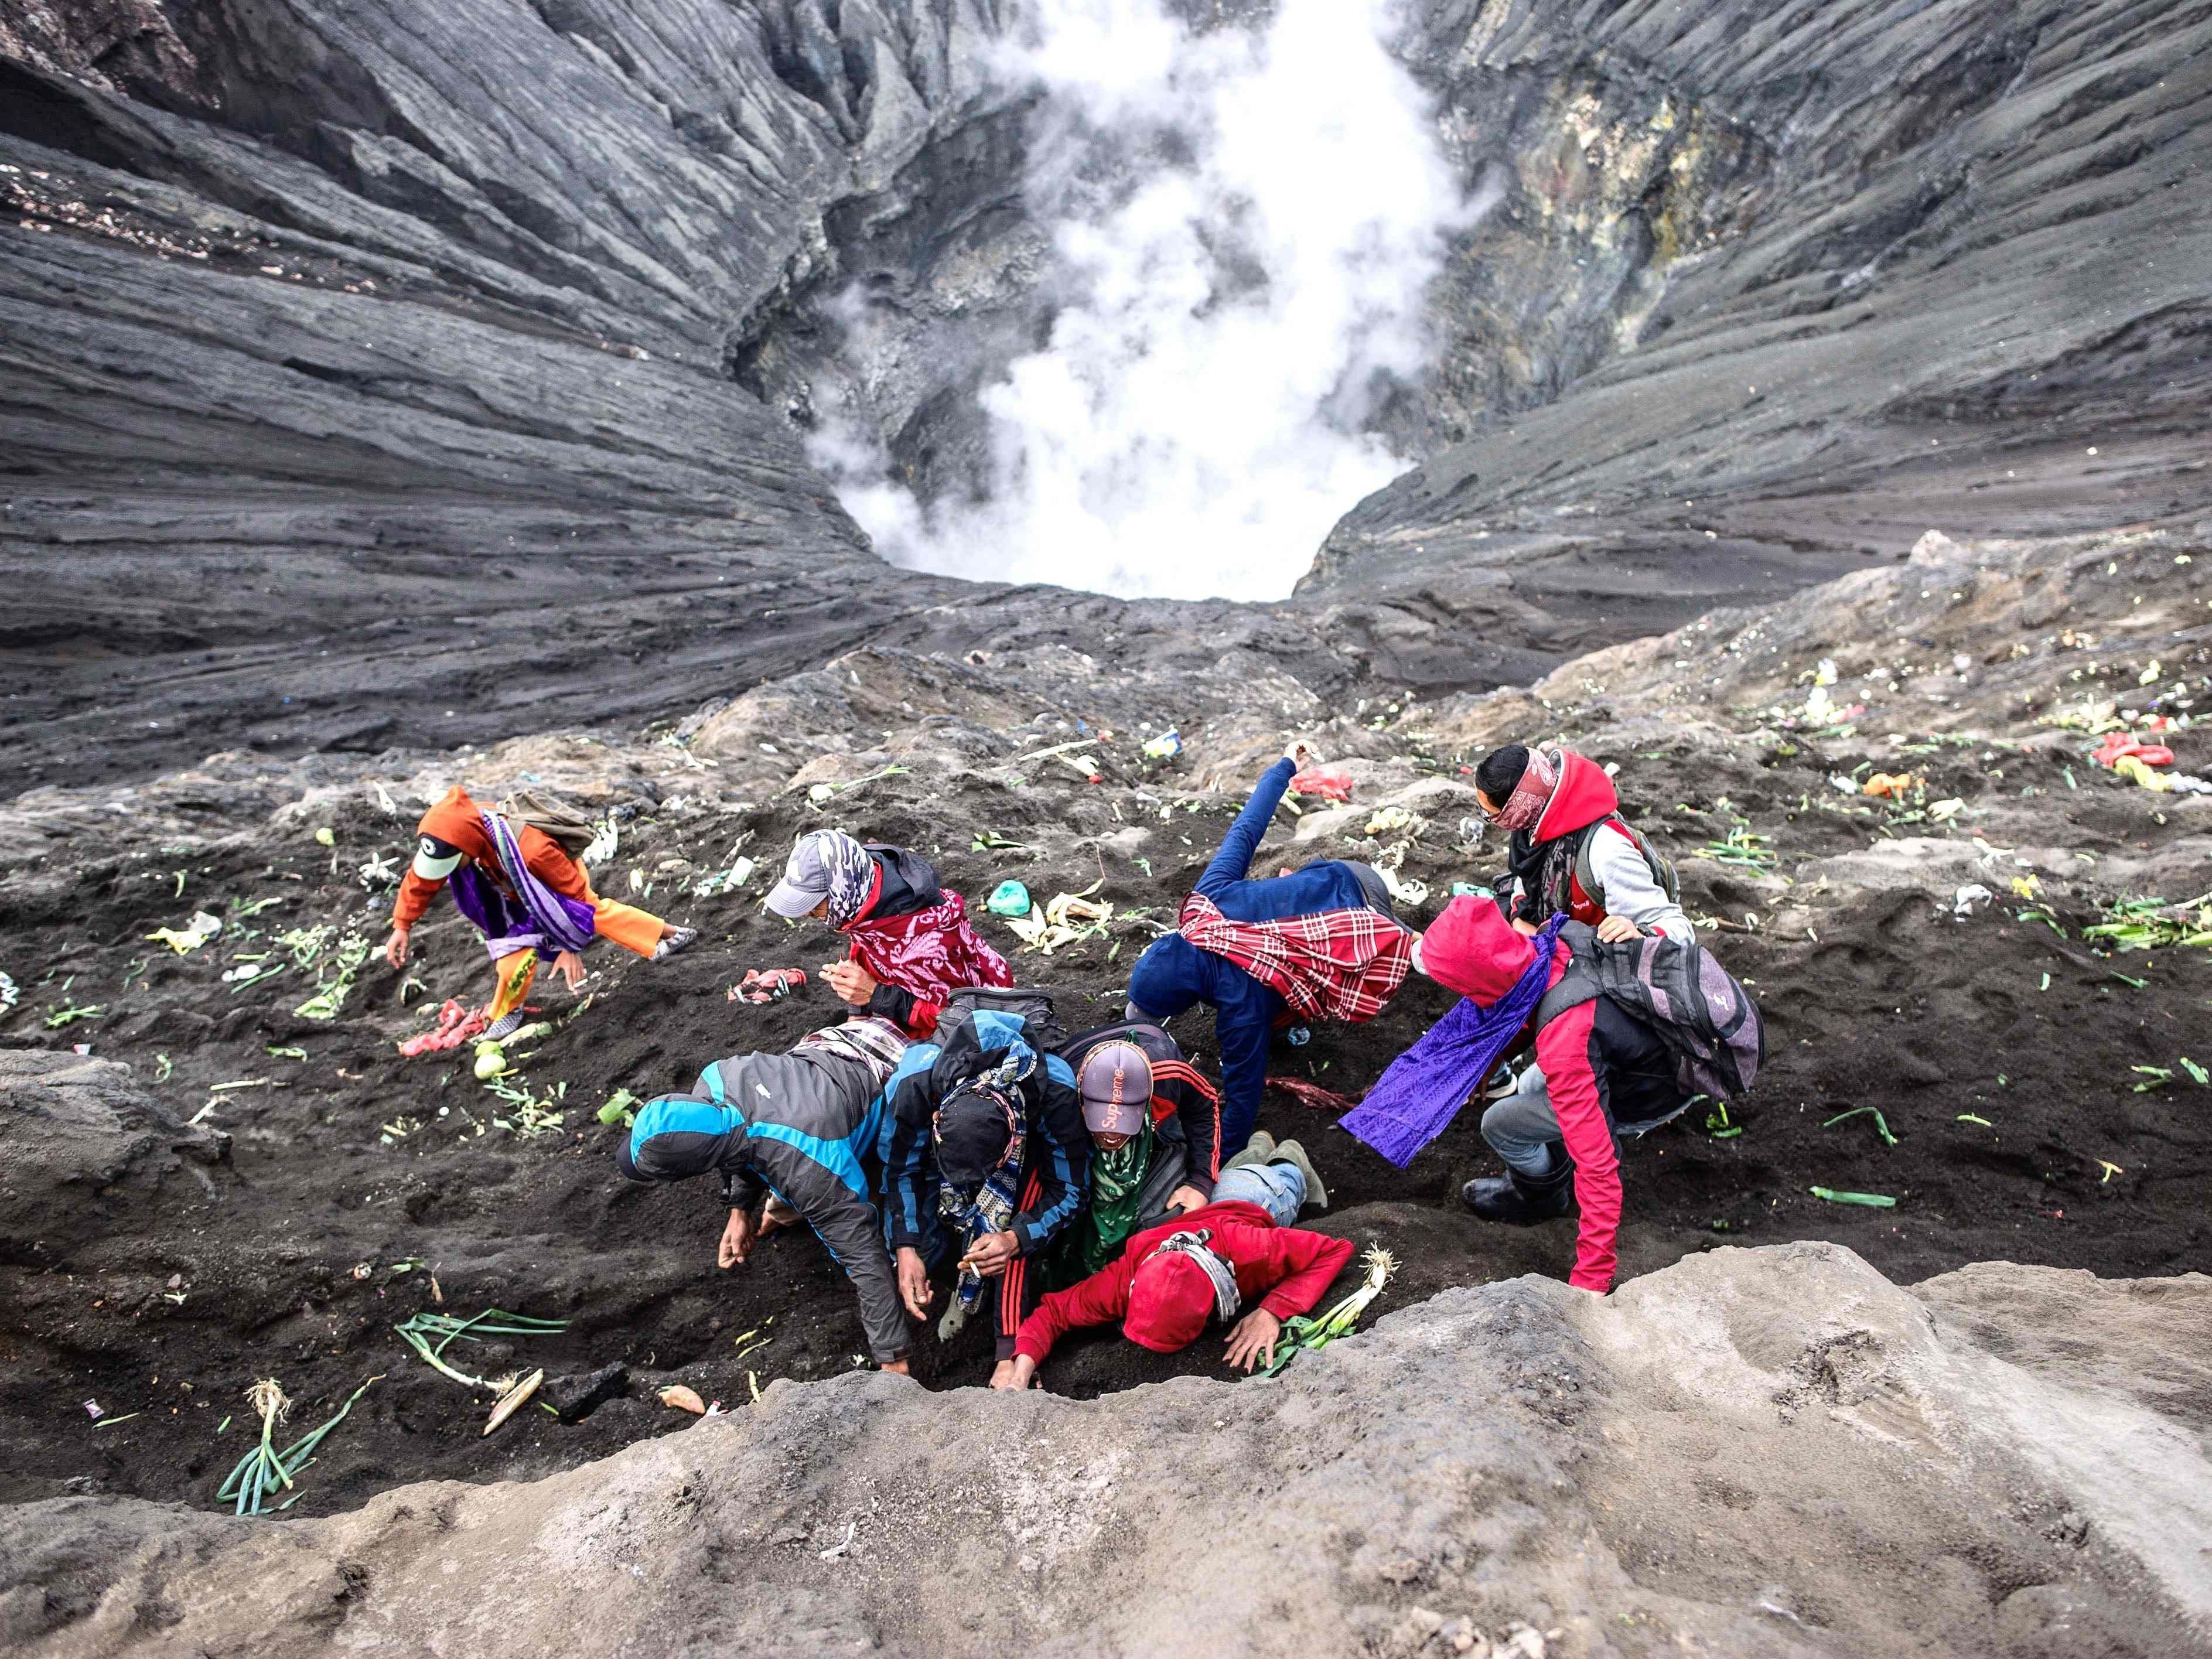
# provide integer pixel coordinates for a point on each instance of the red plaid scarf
(1334, 964)
(931, 953)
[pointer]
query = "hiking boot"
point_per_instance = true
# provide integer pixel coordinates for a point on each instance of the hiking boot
(505, 1026)
(1521, 1201)
(675, 939)
(1290, 1153)
(1258, 1150)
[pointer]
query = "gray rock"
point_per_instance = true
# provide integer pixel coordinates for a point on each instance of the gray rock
(575, 1397)
(81, 1144)
(1711, 1455)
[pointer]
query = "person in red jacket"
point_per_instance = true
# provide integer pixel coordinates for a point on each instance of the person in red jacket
(525, 895)
(1571, 850)
(1230, 1255)
(1600, 1072)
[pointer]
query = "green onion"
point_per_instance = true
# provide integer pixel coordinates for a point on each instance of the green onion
(1968, 1117)
(1880, 1123)
(1872, 1201)
(447, 1329)
(1300, 1333)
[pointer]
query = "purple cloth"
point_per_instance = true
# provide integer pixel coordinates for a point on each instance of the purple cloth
(1416, 1099)
(545, 920)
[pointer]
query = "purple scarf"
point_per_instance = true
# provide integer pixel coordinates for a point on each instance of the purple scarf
(545, 920)
(1416, 1099)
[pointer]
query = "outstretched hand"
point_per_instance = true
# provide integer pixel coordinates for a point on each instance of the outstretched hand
(1300, 754)
(914, 1282)
(395, 948)
(570, 967)
(1253, 1337)
(737, 1240)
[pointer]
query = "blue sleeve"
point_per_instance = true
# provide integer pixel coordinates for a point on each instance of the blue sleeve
(1064, 1181)
(1244, 1040)
(1243, 839)
(911, 1104)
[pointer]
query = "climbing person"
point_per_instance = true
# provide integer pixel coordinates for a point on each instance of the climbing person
(1154, 1122)
(1320, 943)
(806, 1127)
(1168, 1280)
(908, 944)
(984, 1149)
(1625, 1033)
(1571, 850)
(518, 874)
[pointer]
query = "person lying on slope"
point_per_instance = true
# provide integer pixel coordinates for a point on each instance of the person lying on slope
(1320, 943)
(908, 943)
(1237, 1255)
(804, 1127)
(525, 892)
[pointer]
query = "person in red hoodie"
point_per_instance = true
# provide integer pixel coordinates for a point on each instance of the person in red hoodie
(525, 893)
(1229, 1257)
(1600, 1073)
(1570, 849)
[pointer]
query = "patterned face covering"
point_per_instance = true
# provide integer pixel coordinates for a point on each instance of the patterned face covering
(1117, 1186)
(852, 876)
(1526, 804)
(991, 1207)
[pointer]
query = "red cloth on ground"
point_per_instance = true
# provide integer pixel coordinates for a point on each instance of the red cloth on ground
(1332, 964)
(1288, 1269)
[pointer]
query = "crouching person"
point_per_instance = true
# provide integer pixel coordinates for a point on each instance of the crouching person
(1626, 1031)
(1154, 1122)
(804, 1127)
(986, 1151)
(1237, 1258)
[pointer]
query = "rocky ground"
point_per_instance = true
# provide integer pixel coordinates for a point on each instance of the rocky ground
(329, 1188)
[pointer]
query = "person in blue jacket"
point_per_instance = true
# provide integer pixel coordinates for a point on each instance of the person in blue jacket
(1173, 972)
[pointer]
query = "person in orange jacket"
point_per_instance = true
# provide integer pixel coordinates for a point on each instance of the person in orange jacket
(526, 896)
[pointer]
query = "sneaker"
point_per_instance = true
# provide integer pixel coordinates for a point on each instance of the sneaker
(675, 939)
(506, 1025)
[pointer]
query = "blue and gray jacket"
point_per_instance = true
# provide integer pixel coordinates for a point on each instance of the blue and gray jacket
(1057, 1160)
(806, 1126)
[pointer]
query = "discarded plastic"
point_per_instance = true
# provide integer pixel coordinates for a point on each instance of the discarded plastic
(1331, 785)
(1970, 898)
(1009, 898)
(196, 933)
(1299, 1036)
(765, 984)
(1166, 746)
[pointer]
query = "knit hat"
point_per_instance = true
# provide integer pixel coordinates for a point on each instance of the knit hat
(1170, 1299)
(1116, 1086)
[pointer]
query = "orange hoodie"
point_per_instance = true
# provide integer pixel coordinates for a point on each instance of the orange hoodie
(455, 825)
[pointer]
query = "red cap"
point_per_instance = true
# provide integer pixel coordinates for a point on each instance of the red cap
(1170, 1299)
(1472, 949)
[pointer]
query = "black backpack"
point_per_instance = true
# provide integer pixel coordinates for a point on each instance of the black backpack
(1708, 1022)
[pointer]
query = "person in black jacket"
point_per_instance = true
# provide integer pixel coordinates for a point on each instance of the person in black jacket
(803, 1125)
(986, 1147)
(908, 942)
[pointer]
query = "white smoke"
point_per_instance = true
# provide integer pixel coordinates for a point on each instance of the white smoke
(1191, 428)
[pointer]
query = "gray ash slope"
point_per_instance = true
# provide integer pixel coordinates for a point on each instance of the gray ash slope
(338, 398)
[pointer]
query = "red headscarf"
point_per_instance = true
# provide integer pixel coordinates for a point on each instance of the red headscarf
(1170, 1299)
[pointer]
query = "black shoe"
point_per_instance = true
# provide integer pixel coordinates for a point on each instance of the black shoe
(1520, 1200)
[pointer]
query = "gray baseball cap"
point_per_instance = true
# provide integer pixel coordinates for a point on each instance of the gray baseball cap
(805, 881)
(1116, 1086)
